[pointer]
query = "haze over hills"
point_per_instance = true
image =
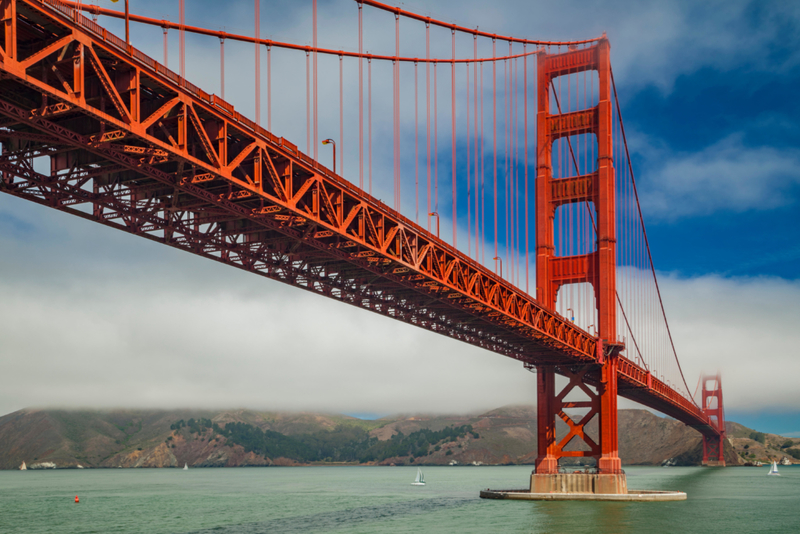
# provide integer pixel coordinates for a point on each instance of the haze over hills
(229, 438)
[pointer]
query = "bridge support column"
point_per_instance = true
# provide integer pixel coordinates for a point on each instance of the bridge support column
(713, 451)
(547, 460)
(596, 267)
(713, 443)
(609, 461)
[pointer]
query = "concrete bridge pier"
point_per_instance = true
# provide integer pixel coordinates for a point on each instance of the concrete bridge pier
(593, 483)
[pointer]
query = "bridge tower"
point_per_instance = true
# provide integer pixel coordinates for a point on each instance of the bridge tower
(713, 445)
(597, 267)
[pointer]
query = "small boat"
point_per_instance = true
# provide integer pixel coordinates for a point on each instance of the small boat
(185, 467)
(774, 469)
(420, 480)
(23, 467)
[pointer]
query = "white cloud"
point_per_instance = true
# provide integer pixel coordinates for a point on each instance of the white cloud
(94, 317)
(744, 327)
(725, 176)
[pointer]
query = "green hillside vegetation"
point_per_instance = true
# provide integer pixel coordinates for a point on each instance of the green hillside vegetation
(345, 443)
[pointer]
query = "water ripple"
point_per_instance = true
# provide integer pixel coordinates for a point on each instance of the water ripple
(328, 521)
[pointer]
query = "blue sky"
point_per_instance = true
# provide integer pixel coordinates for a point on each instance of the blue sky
(708, 93)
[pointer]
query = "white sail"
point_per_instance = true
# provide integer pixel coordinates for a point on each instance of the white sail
(420, 480)
(23, 467)
(774, 469)
(185, 466)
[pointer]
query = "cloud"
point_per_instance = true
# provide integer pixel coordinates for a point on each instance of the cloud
(95, 317)
(744, 327)
(725, 176)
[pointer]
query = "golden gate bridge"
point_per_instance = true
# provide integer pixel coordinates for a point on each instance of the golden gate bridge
(548, 262)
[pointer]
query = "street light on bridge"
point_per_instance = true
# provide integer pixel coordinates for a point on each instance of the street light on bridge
(496, 259)
(332, 142)
(434, 214)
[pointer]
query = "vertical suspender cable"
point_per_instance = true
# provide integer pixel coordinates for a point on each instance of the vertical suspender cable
(453, 139)
(369, 119)
(525, 162)
(360, 96)
(515, 175)
(308, 106)
(166, 56)
(508, 185)
(341, 119)
(469, 190)
(428, 113)
(316, 84)
(182, 39)
(506, 136)
(416, 143)
(222, 67)
(515, 226)
(258, 61)
(475, 90)
(435, 141)
(483, 182)
(269, 88)
(396, 64)
(494, 141)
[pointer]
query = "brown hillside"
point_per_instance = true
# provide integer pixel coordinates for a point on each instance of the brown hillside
(143, 438)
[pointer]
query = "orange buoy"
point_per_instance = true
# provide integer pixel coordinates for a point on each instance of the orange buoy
(76, 499)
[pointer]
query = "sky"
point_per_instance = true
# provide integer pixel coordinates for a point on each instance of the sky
(93, 317)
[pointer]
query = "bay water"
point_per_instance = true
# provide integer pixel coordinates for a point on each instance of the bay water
(381, 499)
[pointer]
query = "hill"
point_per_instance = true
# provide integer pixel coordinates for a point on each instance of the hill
(172, 438)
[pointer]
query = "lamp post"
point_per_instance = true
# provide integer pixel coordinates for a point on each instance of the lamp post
(496, 259)
(434, 214)
(332, 142)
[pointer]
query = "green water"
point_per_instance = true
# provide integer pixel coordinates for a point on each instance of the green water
(381, 499)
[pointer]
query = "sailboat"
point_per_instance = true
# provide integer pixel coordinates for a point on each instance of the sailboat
(774, 469)
(23, 467)
(185, 467)
(420, 480)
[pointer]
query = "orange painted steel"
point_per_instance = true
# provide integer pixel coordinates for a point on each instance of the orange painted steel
(134, 146)
(597, 268)
(470, 31)
(166, 24)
